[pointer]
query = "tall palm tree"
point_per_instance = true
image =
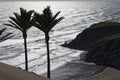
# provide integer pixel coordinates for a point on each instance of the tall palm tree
(45, 22)
(4, 37)
(22, 22)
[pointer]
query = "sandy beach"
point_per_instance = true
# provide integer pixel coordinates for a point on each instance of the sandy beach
(107, 74)
(75, 70)
(80, 71)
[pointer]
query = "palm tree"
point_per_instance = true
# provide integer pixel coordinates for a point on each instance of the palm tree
(22, 22)
(45, 22)
(4, 37)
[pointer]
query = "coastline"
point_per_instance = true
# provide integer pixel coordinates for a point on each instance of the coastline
(102, 72)
(76, 70)
(107, 74)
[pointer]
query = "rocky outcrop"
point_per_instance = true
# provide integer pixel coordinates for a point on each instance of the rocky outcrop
(105, 52)
(92, 34)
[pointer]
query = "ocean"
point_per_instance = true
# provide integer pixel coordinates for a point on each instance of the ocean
(79, 15)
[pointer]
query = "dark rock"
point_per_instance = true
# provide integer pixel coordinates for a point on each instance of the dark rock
(105, 52)
(92, 34)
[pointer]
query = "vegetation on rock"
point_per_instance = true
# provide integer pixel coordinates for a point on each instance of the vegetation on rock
(105, 52)
(92, 34)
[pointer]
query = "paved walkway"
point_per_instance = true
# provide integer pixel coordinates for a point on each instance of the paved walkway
(11, 73)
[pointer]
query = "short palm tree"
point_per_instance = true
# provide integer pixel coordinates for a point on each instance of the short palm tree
(22, 22)
(45, 22)
(4, 37)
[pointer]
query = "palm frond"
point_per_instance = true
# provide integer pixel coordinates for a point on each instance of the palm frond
(46, 20)
(15, 20)
(29, 14)
(40, 27)
(26, 15)
(22, 11)
(2, 30)
(6, 36)
(55, 16)
(22, 21)
(19, 18)
(47, 14)
(40, 19)
(15, 25)
(11, 25)
(54, 23)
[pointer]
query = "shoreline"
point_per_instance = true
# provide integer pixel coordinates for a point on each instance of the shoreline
(76, 70)
(107, 74)
(73, 70)
(102, 72)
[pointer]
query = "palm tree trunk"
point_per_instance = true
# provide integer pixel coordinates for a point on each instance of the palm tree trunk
(25, 47)
(48, 55)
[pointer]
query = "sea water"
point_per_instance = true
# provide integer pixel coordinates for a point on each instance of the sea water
(78, 16)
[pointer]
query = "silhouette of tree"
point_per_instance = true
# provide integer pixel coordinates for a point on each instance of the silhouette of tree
(45, 22)
(22, 22)
(4, 37)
